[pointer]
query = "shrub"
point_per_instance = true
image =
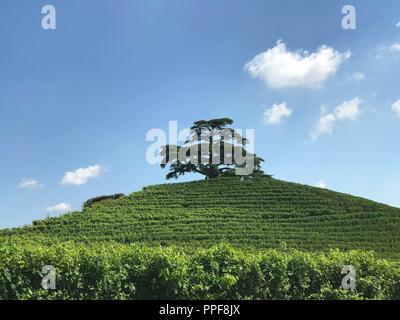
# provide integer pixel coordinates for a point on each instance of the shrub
(90, 202)
(114, 271)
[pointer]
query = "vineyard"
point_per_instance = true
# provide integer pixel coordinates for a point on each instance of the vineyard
(257, 213)
(115, 271)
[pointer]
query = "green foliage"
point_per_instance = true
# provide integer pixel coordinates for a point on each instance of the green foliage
(258, 213)
(90, 202)
(114, 271)
(212, 150)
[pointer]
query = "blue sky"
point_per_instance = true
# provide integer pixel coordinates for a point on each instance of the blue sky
(85, 95)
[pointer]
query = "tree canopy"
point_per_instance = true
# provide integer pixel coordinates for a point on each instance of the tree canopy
(213, 149)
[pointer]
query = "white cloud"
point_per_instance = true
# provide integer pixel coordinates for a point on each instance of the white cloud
(357, 76)
(280, 68)
(398, 24)
(276, 113)
(396, 107)
(321, 184)
(395, 47)
(27, 183)
(81, 176)
(324, 126)
(61, 207)
(382, 50)
(348, 110)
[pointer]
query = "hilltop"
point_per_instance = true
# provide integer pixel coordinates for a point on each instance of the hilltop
(258, 213)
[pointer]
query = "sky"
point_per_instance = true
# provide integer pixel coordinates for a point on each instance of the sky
(76, 102)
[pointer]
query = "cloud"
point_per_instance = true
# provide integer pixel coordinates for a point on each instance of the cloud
(383, 50)
(348, 110)
(395, 47)
(357, 76)
(81, 176)
(276, 113)
(396, 107)
(324, 126)
(61, 207)
(27, 183)
(398, 24)
(280, 68)
(321, 184)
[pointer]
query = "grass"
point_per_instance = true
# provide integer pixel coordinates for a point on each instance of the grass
(260, 213)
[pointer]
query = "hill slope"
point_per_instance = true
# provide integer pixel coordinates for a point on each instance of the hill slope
(260, 213)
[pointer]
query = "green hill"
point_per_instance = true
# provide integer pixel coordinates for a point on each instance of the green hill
(258, 213)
